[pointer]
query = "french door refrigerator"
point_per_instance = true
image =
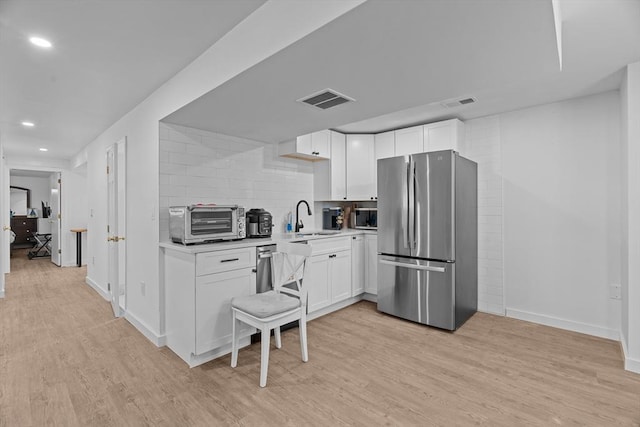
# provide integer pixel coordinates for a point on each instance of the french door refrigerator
(427, 238)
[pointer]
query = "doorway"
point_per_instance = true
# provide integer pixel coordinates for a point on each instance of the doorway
(34, 215)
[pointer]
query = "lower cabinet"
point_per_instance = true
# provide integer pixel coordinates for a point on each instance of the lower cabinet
(213, 306)
(198, 292)
(328, 276)
(357, 265)
(371, 264)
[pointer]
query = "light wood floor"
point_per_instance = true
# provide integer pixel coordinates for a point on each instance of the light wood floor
(64, 360)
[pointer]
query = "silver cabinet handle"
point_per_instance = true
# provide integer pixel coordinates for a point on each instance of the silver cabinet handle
(263, 256)
(230, 260)
(414, 266)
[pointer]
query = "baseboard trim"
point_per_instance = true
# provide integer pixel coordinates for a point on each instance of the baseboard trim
(569, 325)
(104, 294)
(370, 297)
(630, 364)
(158, 340)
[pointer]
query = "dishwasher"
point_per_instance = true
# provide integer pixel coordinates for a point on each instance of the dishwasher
(264, 281)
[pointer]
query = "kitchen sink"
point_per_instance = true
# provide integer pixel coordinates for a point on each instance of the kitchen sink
(319, 233)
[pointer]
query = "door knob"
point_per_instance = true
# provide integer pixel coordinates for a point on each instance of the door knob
(112, 239)
(5, 228)
(119, 238)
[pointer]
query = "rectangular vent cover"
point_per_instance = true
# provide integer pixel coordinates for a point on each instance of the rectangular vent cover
(326, 98)
(452, 103)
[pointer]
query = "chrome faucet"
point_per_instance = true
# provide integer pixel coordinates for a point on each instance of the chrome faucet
(299, 223)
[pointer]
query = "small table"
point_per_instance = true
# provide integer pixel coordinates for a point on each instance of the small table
(78, 232)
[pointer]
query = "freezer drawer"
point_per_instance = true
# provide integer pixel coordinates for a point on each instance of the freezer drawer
(417, 290)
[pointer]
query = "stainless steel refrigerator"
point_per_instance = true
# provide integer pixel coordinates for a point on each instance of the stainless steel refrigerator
(428, 238)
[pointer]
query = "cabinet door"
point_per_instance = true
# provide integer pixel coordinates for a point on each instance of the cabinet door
(340, 271)
(338, 166)
(303, 144)
(409, 140)
(213, 306)
(357, 265)
(371, 264)
(360, 174)
(320, 144)
(442, 135)
(385, 145)
(317, 279)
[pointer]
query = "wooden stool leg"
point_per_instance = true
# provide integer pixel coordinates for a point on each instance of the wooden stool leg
(234, 341)
(276, 332)
(264, 355)
(303, 337)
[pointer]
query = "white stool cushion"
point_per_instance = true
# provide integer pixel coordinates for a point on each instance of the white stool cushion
(265, 304)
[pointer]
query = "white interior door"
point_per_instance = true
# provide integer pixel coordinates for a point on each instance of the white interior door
(54, 218)
(116, 225)
(5, 240)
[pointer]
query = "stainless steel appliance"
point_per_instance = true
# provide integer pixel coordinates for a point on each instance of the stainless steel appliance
(259, 223)
(206, 223)
(427, 238)
(366, 218)
(332, 218)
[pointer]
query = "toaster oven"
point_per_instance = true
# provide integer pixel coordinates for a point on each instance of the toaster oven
(206, 223)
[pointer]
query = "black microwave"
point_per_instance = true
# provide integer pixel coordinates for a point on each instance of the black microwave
(366, 218)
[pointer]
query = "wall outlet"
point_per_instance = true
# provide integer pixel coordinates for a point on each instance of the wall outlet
(615, 291)
(143, 288)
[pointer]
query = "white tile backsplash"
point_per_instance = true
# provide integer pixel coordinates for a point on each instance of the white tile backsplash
(482, 144)
(198, 166)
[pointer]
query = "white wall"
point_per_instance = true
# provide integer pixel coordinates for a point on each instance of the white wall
(75, 214)
(4, 219)
(197, 166)
(630, 331)
(482, 145)
(269, 29)
(562, 221)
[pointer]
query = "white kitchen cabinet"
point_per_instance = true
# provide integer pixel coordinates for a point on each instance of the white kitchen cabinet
(445, 135)
(357, 265)
(384, 147)
(360, 167)
(213, 306)
(329, 178)
(198, 290)
(371, 264)
(312, 146)
(328, 276)
(409, 140)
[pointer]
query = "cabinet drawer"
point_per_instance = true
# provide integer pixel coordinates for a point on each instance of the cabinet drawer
(216, 262)
(334, 244)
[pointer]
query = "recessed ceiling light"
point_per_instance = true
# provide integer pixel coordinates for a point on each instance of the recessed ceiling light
(28, 124)
(40, 42)
(44, 149)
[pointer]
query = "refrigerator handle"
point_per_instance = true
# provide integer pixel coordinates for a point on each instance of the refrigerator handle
(411, 177)
(413, 266)
(405, 203)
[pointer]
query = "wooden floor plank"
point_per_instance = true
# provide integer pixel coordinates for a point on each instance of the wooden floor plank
(64, 360)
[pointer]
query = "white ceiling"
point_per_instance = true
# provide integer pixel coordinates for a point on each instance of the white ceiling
(397, 59)
(107, 57)
(30, 173)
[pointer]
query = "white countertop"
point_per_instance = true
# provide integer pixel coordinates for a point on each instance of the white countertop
(249, 242)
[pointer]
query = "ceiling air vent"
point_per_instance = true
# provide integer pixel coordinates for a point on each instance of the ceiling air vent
(452, 103)
(326, 98)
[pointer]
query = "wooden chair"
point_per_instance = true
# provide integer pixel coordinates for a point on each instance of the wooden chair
(272, 309)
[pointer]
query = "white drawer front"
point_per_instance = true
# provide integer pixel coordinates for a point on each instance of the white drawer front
(216, 262)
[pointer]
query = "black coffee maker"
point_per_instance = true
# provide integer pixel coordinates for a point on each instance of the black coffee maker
(332, 218)
(259, 223)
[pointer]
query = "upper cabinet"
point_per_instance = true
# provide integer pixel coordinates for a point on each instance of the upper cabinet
(312, 146)
(444, 135)
(330, 179)
(360, 167)
(409, 140)
(385, 145)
